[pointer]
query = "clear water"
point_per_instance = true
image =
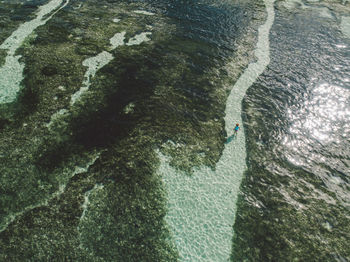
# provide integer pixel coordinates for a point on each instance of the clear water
(11, 73)
(296, 190)
(202, 206)
(116, 130)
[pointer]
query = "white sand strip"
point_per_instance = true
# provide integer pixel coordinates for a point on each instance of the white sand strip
(138, 39)
(201, 207)
(345, 26)
(142, 12)
(11, 73)
(97, 62)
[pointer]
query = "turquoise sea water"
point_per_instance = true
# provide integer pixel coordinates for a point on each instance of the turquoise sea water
(116, 130)
(202, 207)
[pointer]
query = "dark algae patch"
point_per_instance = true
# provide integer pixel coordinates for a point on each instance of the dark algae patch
(79, 180)
(294, 202)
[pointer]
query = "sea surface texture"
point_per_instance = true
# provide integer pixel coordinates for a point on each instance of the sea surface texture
(117, 140)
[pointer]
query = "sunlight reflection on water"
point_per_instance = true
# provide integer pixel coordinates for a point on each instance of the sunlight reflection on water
(319, 131)
(323, 116)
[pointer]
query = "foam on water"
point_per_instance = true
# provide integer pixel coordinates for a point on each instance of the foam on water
(11, 73)
(201, 207)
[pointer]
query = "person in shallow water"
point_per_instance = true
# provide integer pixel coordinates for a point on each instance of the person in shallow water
(230, 138)
(236, 129)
